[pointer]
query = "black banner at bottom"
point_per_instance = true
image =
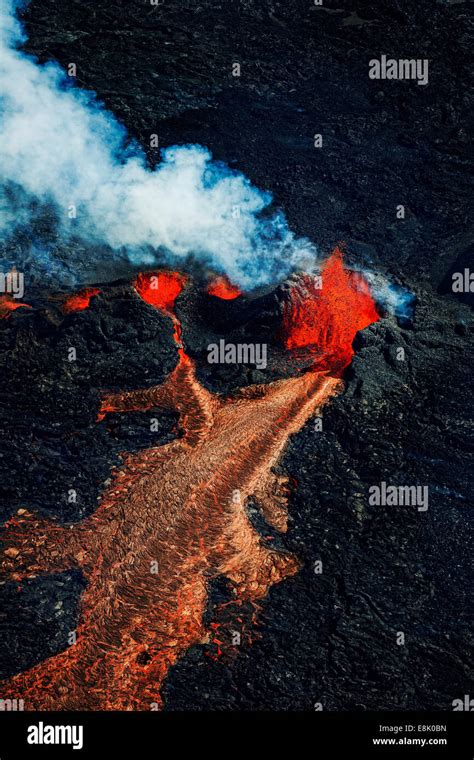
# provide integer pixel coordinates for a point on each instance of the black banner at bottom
(366, 734)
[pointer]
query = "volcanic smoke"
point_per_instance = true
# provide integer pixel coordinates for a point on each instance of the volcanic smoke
(61, 150)
(174, 517)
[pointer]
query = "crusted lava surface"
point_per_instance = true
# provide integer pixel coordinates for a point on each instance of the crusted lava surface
(172, 520)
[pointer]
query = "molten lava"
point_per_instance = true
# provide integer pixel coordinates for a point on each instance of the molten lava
(326, 319)
(222, 288)
(160, 289)
(8, 304)
(79, 301)
(174, 516)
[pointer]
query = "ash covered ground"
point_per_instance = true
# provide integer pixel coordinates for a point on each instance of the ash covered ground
(330, 637)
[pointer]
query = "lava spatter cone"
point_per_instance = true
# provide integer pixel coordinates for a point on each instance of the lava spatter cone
(324, 313)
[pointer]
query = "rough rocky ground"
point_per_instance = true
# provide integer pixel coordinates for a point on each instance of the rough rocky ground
(329, 637)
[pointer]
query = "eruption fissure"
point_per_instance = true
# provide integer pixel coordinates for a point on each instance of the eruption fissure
(221, 287)
(325, 312)
(174, 516)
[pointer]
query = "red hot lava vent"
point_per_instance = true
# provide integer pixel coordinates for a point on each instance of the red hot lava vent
(8, 304)
(160, 289)
(325, 313)
(222, 288)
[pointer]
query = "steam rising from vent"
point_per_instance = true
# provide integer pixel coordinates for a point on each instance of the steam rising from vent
(60, 148)
(391, 297)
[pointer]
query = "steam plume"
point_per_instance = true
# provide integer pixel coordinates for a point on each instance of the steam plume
(60, 148)
(393, 298)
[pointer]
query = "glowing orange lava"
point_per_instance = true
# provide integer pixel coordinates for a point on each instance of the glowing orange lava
(8, 304)
(326, 319)
(80, 300)
(222, 288)
(160, 289)
(174, 517)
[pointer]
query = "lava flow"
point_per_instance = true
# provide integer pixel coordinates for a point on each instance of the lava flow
(173, 519)
(161, 289)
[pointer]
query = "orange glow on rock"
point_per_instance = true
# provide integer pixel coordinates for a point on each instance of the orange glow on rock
(80, 300)
(222, 288)
(160, 289)
(326, 319)
(8, 304)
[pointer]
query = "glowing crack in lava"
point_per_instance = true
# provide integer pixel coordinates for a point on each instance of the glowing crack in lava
(161, 289)
(170, 522)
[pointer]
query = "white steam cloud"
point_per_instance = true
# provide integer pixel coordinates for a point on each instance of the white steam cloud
(393, 298)
(59, 147)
